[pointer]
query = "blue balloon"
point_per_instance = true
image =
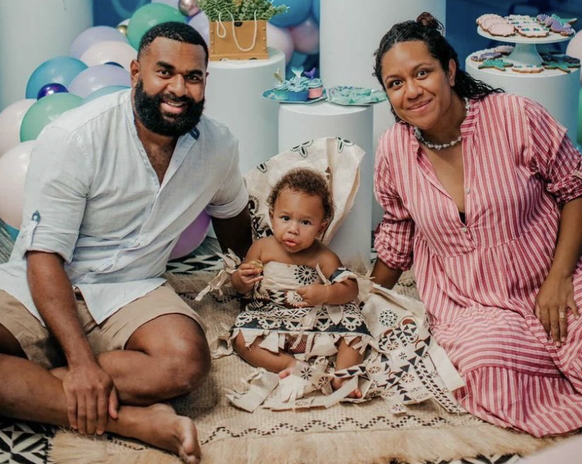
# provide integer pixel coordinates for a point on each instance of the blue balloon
(60, 70)
(316, 9)
(297, 12)
(104, 91)
(50, 89)
(11, 231)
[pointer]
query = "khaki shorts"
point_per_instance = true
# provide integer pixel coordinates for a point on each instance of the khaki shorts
(112, 334)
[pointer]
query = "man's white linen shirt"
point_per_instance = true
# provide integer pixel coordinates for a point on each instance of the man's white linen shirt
(93, 197)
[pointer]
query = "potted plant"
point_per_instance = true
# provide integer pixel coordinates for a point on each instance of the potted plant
(238, 28)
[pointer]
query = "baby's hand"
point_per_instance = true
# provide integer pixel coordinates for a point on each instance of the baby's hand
(250, 273)
(313, 295)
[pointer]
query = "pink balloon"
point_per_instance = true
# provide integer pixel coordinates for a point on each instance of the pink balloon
(575, 49)
(192, 236)
(306, 36)
(280, 38)
(13, 167)
(201, 24)
(10, 121)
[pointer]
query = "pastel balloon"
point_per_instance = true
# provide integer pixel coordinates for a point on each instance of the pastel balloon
(575, 48)
(97, 77)
(93, 35)
(104, 91)
(60, 70)
(10, 122)
(202, 25)
(172, 3)
(192, 236)
(50, 89)
(109, 51)
(306, 37)
(297, 12)
(13, 166)
(125, 23)
(280, 39)
(44, 111)
(316, 10)
(149, 16)
(188, 7)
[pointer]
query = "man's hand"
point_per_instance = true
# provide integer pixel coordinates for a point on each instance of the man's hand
(313, 295)
(555, 298)
(91, 398)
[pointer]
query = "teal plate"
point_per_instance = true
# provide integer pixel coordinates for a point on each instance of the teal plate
(269, 95)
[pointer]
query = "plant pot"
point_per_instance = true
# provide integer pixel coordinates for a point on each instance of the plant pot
(238, 40)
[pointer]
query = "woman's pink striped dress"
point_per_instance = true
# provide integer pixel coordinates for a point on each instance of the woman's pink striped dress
(479, 280)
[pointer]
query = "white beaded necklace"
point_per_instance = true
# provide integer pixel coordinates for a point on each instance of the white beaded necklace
(440, 146)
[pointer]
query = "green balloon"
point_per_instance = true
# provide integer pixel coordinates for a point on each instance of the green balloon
(580, 118)
(44, 111)
(148, 16)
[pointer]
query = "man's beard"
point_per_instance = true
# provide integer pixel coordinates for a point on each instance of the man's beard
(149, 111)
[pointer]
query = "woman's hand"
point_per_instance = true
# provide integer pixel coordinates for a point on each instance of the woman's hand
(313, 295)
(555, 298)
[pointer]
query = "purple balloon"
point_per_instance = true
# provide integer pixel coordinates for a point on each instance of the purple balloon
(97, 77)
(202, 25)
(93, 35)
(50, 89)
(192, 236)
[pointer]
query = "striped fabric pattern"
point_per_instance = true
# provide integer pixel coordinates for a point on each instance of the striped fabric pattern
(479, 279)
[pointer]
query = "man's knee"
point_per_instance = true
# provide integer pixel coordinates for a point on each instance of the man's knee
(187, 364)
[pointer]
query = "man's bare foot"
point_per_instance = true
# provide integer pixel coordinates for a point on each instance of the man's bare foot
(288, 370)
(160, 426)
(336, 384)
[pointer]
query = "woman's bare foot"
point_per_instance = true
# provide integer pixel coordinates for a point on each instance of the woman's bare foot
(336, 384)
(160, 426)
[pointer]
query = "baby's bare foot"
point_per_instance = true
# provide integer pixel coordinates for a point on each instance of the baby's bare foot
(336, 384)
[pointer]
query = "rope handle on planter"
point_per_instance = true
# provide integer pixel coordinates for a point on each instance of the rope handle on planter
(222, 34)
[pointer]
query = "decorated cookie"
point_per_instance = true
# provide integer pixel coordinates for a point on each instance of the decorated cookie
(504, 49)
(560, 65)
(527, 68)
(503, 29)
(484, 17)
(532, 31)
(498, 64)
(486, 55)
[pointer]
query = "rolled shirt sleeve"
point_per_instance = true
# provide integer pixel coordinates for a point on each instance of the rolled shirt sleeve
(56, 187)
(394, 235)
(552, 154)
(232, 196)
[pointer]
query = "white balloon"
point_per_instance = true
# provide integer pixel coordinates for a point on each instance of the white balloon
(281, 39)
(125, 22)
(13, 167)
(575, 49)
(201, 24)
(110, 51)
(10, 121)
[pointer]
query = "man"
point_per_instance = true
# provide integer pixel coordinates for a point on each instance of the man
(89, 335)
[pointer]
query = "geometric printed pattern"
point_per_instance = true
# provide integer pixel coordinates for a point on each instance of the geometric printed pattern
(28, 443)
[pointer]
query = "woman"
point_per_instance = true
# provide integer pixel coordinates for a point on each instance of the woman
(483, 190)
